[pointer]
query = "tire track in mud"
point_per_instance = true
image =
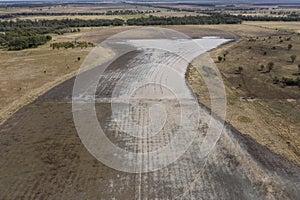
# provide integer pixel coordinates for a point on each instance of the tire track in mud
(45, 137)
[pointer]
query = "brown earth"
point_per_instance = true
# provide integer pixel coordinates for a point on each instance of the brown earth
(43, 156)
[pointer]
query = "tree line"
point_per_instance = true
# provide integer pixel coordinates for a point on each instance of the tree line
(51, 26)
(22, 34)
(289, 18)
(110, 12)
(19, 40)
(69, 45)
(185, 20)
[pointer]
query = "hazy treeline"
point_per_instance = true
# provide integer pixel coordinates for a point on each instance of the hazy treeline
(110, 12)
(50, 26)
(185, 20)
(269, 18)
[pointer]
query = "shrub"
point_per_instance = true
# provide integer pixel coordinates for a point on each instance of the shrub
(276, 80)
(293, 58)
(270, 66)
(239, 70)
(290, 81)
(220, 58)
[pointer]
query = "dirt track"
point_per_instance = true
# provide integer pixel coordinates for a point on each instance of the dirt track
(43, 156)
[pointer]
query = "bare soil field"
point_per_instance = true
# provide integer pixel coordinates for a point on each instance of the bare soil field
(46, 159)
(43, 156)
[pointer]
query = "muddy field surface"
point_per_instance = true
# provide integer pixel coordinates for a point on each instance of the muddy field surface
(43, 156)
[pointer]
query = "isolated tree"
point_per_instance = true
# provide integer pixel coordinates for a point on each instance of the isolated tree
(290, 46)
(270, 66)
(220, 58)
(293, 58)
(299, 67)
(78, 58)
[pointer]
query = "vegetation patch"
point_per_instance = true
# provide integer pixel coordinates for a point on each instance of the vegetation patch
(71, 45)
(185, 20)
(288, 81)
(22, 39)
(244, 119)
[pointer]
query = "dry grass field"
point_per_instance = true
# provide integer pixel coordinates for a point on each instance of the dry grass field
(271, 113)
(76, 8)
(275, 12)
(284, 26)
(29, 73)
(124, 17)
(85, 17)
